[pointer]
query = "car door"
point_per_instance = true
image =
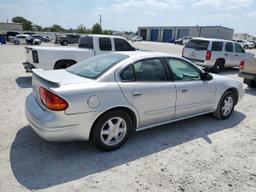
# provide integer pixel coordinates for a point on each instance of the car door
(194, 96)
(229, 54)
(146, 87)
(239, 54)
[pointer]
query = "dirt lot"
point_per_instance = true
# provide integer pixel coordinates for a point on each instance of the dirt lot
(199, 154)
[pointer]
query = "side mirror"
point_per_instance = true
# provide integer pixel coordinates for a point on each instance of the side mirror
(205, 76)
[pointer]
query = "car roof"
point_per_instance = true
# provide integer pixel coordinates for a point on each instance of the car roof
(144, 54)
(211, 39)
(99, 35)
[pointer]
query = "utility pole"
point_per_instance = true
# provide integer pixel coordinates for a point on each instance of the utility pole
(100, 19)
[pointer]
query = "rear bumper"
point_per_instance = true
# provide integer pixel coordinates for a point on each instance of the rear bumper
(247, 75)
(28, 66)
(57, 126)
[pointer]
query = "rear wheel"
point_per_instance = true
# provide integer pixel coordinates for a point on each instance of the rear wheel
(16, 42)
(226, 106)
(111, 130)
(218, 66)
(246, 47)
(250, 83)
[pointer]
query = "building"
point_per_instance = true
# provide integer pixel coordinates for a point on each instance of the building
(244, 36)
(13, 27)
(170, 34)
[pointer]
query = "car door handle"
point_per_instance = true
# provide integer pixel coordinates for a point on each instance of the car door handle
(183, 90)
(136, 93)
(236, 55)
(226, 54)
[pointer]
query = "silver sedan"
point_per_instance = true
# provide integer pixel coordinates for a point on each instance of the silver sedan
(106, 97)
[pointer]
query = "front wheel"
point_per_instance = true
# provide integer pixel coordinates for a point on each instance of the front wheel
(246, 47)
(112, 130)
(226, 106)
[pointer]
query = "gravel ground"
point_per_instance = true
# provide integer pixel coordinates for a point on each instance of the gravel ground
(198, 154)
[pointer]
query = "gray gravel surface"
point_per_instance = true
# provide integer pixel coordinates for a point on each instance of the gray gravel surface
(198, 154)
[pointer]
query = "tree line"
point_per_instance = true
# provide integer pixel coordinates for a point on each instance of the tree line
(29, 26)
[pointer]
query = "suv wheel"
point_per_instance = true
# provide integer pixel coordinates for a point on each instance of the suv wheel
(226, 106)
(218, 66)
(112, 130)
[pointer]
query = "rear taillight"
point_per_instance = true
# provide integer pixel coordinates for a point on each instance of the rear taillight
(52, 101)
(208, 55)
(35, 56)
(242, 64)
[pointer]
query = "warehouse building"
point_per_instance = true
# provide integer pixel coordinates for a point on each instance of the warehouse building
(13, 27)
(244, 36)
(170, 34)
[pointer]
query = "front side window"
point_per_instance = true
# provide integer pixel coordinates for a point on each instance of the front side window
(217, 46)
(183, 71)
(229, 47)
(238, 48)
(122, 45)
(105, 44)
(96, 66)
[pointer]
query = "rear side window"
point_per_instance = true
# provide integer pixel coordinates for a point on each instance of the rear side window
(105, 44)
(229, 47)
(217, 46)
(197, 44)
(86, 42)
(128, 74)
(122, 45)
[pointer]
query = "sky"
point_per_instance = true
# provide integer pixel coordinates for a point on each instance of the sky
(127, 15)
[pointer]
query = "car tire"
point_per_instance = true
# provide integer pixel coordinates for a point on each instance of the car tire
(218, 66)
(16, 42)
(250, 83)
(106, 137)
(63, 64)
(246, 47)
(65, 43)
(225, 106)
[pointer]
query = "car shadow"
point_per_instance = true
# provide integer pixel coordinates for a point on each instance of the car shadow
(251, 91)
(38, 164)
(24, 82)
(229, 71)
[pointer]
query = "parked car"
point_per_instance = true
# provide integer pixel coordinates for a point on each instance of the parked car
(182, 41)
(137, 38)
(49, 58)
(26, 39)
(10, 35)
(248, 72)
(42, 38)
(245, 44)
(214, 54)
(69, 39)
(106, 97)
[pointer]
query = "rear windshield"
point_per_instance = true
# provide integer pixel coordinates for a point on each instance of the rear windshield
(95, 66)
(85, 42)
(197, 44)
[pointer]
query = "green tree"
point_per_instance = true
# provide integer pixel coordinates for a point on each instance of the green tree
(96, 29)
(26, 24)
(37, 28)
(56, 28)
(108, 32)
(81, 29)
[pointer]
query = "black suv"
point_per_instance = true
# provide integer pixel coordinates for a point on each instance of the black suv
(69, 39)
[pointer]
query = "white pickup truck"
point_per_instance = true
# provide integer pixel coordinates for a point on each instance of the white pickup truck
(49, 58)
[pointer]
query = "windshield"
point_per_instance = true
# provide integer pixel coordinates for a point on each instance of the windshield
(197, 44)
(96, 66)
